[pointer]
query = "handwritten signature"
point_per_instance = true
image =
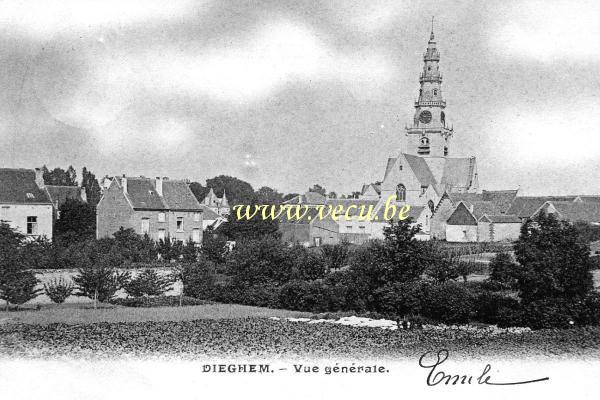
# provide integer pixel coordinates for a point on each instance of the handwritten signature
(436, 376)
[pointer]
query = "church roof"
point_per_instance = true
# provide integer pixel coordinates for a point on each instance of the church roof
(390, 164)
(458, 172)
(421, 170)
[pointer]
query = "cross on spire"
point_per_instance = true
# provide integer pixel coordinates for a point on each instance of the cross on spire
(431, 37)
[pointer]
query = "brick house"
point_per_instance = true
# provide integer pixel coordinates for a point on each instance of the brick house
(161, 208)
(24, 202)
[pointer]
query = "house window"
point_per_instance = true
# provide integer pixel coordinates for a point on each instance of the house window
(401, 192)
(348, 228)
(145, 226)
(161, 217)
(196, 235)
(32, 225)
(161, 234)
(317, 241)
(197, 217)
(361, 229)
(30, 196)
(179, 224)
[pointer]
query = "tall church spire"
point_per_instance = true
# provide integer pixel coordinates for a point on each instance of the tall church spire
(429, 135)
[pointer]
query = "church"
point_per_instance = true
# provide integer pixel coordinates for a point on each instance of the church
(427, 168)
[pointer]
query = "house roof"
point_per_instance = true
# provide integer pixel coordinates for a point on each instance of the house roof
(480, 208)
(60, 194)
(18, 186)
(414, 213)
(526, 206)
(576, 211)
(354, 211)
(208, 213)
(307, 198)
(177, 195)
(502, 199)
(461, 216)
(501, 219)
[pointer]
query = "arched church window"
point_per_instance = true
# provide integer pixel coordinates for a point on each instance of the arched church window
(400, 167)
(401, 192)
(424, 141)
(445, 151)
(435, 92)
(443, 117)
(420, 92)
(429, 68)
(430, 205)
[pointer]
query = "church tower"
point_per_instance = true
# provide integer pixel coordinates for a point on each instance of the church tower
(429, 135)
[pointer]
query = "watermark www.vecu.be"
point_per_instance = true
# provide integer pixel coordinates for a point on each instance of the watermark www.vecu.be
(298, 212)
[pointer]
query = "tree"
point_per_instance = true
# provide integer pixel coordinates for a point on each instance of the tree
(318, 189)
(237, 190)
(100, 281)
(59, 176)
(335, 255)
(199, 191)
(91, 186)
(266, 195)
(236, 229)
(554, 259)
(77, 222)
(148, 283)
(213, 246)
(332, 195)
(17, 284)
(504, 270)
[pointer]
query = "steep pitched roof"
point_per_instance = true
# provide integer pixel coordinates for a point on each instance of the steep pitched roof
(208, 214)
(178, 196)
(414, 213)
(421, 170)
(307, 198)
(462, 216)
(458, 172)
(467, 198)
(142, 194)
(18, 186)
(354, 211)
(60, 194)
(484, 207)
(390, 164)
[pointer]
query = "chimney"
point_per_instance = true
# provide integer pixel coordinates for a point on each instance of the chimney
(39, 178)
(124, 184)
(83, 195)
(159, 185)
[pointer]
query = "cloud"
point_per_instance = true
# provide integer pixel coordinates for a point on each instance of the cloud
(547, 31)
(280, 53)
(369, 17)
(564, 133)
(45, 17)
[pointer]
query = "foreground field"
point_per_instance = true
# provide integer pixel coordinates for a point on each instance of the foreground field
(85, 314)
(262, 337)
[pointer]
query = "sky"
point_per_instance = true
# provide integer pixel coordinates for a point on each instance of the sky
(292, 93)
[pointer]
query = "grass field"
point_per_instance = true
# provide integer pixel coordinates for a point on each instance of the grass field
(85, 314)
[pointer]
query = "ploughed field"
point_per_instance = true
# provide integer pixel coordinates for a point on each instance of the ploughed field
(259, 336)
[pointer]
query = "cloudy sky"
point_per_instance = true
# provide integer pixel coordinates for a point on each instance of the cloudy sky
(291, 93)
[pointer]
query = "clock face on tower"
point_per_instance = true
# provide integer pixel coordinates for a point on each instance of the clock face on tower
(425, 117)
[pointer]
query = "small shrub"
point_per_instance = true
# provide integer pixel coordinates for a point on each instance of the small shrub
(58, 290)
(148, 283)
(18, 287)
(159, 301)
(448, 302)
(264, 295)
(304, 296)
(100, 282)
(198, 279)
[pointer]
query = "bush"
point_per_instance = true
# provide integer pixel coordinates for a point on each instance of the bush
(304, 296)
(335, 256)
(18, 287)
(401, 299)
(504, 270)
(58, 290)
(198, 279)
(496, 308)
(100, 282)
(264, 295)
(307, 264)
(160, 301)
(448, 302)
(148, 283)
